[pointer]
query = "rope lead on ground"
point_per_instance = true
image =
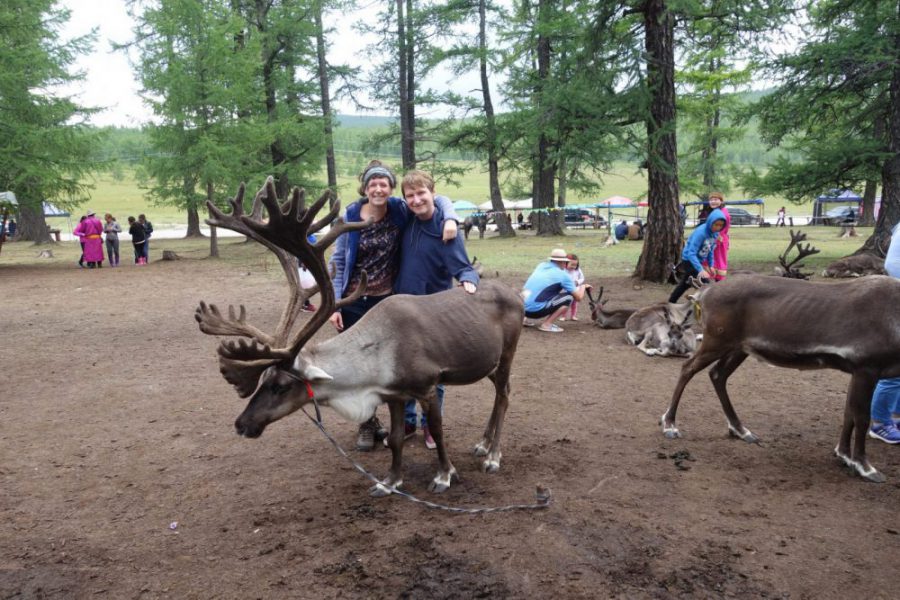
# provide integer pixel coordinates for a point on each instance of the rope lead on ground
(542, 494)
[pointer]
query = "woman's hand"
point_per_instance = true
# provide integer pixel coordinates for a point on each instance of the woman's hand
(469, 287)
(337, 321)
(450, 230)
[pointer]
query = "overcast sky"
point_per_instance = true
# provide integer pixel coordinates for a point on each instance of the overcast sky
(110, 81)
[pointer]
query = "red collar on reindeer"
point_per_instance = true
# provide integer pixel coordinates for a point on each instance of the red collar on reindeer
(295, 375)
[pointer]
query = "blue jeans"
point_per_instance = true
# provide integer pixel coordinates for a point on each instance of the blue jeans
(410, 416)
(147, 248)
(886, 400)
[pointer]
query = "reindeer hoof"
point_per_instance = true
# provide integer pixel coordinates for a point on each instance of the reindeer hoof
(441, 482)
(480, 449)
(670, 431)
(862, 468)
(490, 466)
(380, 490)
(743, 434)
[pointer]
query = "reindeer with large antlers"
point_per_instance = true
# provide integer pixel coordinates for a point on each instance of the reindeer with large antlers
(792, 269)
(392, 354)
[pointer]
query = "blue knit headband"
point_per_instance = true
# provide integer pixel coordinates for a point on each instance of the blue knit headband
(379, 172)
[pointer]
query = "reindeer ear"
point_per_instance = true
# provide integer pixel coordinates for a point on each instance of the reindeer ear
(313, 374)
(243, 374)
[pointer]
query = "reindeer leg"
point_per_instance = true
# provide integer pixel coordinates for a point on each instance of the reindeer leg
(719, 375)
(856, 416)
(691, 367)
(490, 445)
(395, 443)
(446, 471)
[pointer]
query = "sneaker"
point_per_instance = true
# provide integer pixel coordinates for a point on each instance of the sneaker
(528, 322)
(886, 432)
(573, 319)
(365, 438)
(562, 318)
(309, 307)
(551, 329)
(370, 432)
(429, 441)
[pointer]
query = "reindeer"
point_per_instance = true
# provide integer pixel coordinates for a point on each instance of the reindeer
(607, 319)
(856, 265)
(663, 329)
(792, 269)
(401, 349)
(801, 325)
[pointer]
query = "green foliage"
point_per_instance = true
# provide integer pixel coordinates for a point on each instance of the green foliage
(45, 147)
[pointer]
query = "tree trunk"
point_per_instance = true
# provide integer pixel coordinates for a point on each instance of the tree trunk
(407, 125)
(563, 180)
(504, 227)
(889, 214)
(32, 226)
(664, 233)
(269, 55)
(545, 167)
(868, 203)
(325, 102)
(213, 234)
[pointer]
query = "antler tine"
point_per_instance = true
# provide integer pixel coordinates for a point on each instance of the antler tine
(591, 300)
(212, 322)
(220, 219)
(241, 350)
(357, 293)
(332, 212)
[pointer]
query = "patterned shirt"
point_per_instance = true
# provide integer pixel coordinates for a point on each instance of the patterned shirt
(378, 255)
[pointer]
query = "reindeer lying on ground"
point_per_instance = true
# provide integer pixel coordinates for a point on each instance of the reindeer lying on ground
(799, 325)
(791, 269)
(663, 329)
(607, 319)
(856, 265)
(400, 349)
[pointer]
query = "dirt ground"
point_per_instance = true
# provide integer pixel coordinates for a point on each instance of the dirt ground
(115, 424)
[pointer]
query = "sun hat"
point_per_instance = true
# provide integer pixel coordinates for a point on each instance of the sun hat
(90, 213)
(559, 255)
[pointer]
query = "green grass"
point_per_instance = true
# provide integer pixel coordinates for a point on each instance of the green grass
(751, 248)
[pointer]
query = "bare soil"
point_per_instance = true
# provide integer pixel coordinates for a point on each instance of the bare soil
(115, 425)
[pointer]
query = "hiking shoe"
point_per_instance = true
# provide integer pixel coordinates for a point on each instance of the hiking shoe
(309, 307)
(886, 432)
(429, 441)
(370, 432)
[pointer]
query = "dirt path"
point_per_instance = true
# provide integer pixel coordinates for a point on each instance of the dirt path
(115, 423)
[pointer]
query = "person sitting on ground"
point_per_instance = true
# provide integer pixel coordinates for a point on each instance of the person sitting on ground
(699, 249)
(622, 230)
(550, 291)
(886, 398)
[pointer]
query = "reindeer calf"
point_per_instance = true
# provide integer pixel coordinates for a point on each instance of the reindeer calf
(663, 329)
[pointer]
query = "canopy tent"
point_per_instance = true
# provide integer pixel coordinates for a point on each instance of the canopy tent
(464, 206)
(614, 202)
(845, 197)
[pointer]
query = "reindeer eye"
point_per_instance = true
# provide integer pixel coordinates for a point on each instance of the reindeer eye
(278, 389)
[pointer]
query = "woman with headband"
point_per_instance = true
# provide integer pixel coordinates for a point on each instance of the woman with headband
(376, 250)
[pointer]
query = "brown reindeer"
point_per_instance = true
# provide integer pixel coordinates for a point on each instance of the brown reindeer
(401, 349)
(792, 269)
(607, 319)
(663, 329)
(800, 325)
(856, 265)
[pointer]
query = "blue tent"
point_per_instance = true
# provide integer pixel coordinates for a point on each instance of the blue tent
(845, 197)
(464, 206)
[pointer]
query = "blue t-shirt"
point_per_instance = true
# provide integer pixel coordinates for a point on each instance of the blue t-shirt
(545, 282)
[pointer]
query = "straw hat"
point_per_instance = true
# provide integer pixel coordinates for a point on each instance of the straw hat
(559, 255)
(90, 213)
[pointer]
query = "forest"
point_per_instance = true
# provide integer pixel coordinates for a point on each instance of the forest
(566, 88)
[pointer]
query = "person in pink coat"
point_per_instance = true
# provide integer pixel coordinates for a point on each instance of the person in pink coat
(720, 254)
(90, 232)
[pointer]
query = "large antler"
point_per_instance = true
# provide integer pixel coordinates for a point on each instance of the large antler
(792, 269)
